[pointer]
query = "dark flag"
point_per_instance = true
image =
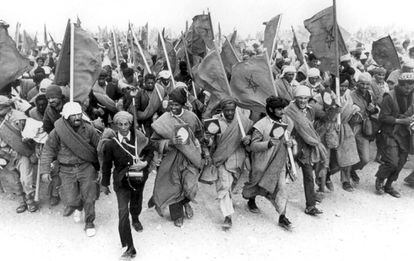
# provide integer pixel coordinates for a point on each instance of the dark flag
(200, 35)
(296, 47)
(87, 62)
(12, 63)
(251, 83)
(322, 39)
(228, 56)
(384, 53)
(270, 34)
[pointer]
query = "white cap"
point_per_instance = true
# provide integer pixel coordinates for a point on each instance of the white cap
(313, 72)
(302, 90)
(164, 74)
(346, 57)
(71, 108)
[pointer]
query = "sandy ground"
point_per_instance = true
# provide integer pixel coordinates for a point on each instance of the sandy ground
(355, 226)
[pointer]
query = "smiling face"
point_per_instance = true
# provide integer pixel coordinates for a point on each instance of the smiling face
(302, 101)
(363, 86)
(176, 108)
(228, 111)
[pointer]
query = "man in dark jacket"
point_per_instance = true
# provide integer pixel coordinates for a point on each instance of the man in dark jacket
(120, 151)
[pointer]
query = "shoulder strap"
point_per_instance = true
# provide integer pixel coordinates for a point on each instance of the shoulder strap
(120, 145)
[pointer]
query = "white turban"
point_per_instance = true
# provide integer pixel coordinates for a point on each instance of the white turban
(289, 69)
(181, 85)
(364, 77)
(164, 74)
(409, 63)
(123, 115)
(344, 58)
(44, 84)
(302, 90)
(314, 72)
(71, 108)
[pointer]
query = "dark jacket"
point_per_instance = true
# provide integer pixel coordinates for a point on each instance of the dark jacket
(113, 154)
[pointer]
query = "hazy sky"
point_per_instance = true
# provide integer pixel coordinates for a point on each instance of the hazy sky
(245, 15)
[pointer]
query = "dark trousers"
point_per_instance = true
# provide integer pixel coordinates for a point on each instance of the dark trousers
(129, 201)
(176, 209)
(393, 159)
(308, 184)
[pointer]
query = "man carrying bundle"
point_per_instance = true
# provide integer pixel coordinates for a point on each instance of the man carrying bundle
(73, 144)
(269, 158)
(228, 156)
(177, 134)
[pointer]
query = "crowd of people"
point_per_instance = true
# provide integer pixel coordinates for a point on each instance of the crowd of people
(150, 124)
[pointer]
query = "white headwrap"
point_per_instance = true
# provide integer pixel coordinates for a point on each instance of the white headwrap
(164, 74)
(123, 115)
(344, 58)
(302, 90)
(314, 72)
(288, 69)
(71, 108)
(364, 77)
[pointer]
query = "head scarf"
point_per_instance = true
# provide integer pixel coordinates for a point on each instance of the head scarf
(288, 69)
(179, 95)
(123, 115)
(54, 91)
(313, 72)
(164, 74)
(227, 101)
(71, 108)
(364, 77)
(345, 58)
(302, 90)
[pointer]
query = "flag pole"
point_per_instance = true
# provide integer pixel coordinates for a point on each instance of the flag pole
(167, 59)
(17, 35)
(338, 94)
(72, 60)
(270, 72)
(232, 49)
(301, 51)
(188, 63)
(228, 87)
(141, 52)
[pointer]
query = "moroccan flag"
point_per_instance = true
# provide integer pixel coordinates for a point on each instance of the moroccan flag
(87, 62)
(28, 43)
(228, 56)
(270, 34)
(296, 47)
(211, 72)
(12, 63)
(251, 83)
(384, 53)
(322, 39)
(200, 35)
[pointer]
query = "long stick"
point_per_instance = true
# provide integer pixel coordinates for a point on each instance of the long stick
(270, 72)
(228, 87)
(141, 52)
(301, 51)
(38, 176)
(189, 64)
(338, 94)
(232, 49)
(167, 59)
(72, 60)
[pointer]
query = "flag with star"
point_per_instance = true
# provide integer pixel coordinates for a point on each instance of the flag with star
(251, 83)
(322, 39)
